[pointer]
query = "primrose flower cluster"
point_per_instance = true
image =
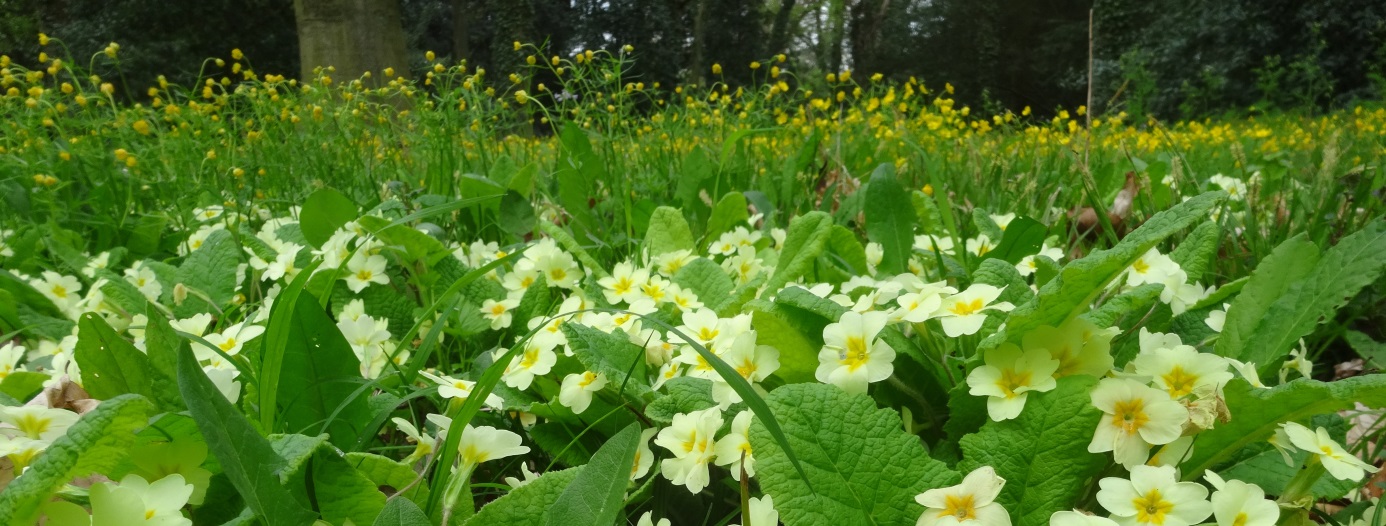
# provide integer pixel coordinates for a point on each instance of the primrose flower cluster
(1152, 407)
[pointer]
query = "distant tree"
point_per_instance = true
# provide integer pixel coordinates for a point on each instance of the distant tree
(353, 36)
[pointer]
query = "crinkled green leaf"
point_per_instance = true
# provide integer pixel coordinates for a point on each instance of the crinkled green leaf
(95, 444)
(729, 213)
(611, 354)
(325, 211)
(1080, 281)
(1195, 252)
(1261, 464)
(386, 472)
(112, 366)
(1257, 412)
(843, 257)
(890, 219)
(1022, 237)
(297, 451)
(245, 456)
(401, 512)
(418, 245)
(1134, 301)
(343, 493)
(804, 242)
(527, 505)
(1290, 262)
(595, 495)
(986, 225)
(865, 468)
(685, 395)
(1043, 453)
(210, 270)
(668, 232)
(708, 280)
(1002, 274)
(1355, 262)
(798, 351)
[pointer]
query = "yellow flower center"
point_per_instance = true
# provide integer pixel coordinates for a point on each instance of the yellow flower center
(1129, 415)
(530, 358)
(497, 309)
(1011, 380)
(227, 345)
(963, 308)
(694, 442)
(960, 507)
(60, 291)
(526, 281)
(746, 369)
(558, 274)
(587, 379)
(1179, 381)
(1240, 520)
(856, 355)
(1140, 266)
(364, 275)
(148, 514)
(32, 426)
(623, 285)
(707, 334)
(1151, 508)
(982, 250)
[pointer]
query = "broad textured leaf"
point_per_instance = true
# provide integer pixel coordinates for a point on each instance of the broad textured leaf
(245, 457)
(526, 505)
(729, 213)
(1257, 412)
(110, 365)
(96, 443)
(804, 242)
(708, 280)
(1043, 453)
(1195, 252)
(389, 473)
(685, 395)
(401, 512)
(1263, 465)
(1137, 300)
(210, 270)
(1002, 274)
(325, 211)
(1022, 237)
(668, 232)
(418, 245)
(611, 354)
(890, 219)
(798, 351)
(343, 493)
(1355, 262)
(864, 467)
(1080, 281)
(1291, 261)
(320, 372)
(596, 494)
(23, 385)
(517, 214)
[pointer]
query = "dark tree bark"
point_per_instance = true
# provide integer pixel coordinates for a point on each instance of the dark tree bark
(463, 15)
(779, 32)
(353, 36)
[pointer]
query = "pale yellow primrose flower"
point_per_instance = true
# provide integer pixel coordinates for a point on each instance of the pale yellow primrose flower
(1008, 376)
(690, 438)
(971, 503)
(1154, 497)
(1237, 503)
(1340, 463)
(1137, 416)
(852, 357)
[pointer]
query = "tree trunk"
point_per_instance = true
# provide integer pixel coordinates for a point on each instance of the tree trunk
(865, 34)
(779, 32)
(837, 23)
(462, 16)
(352, 36)
(696, 66)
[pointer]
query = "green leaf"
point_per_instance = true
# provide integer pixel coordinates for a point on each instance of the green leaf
(685, 395)
(595, 495)
(865, 467)
(387, 472)
(1355, 262)
(110, 365)
(1257, 412)
(1290, 262)
(320, 373)
(570, 244)
(890, 220)
(1372, 351)
(1080, 281)
(527, 505)
(1261, 464)
(708, 280)
(23, 385)
(798, 352)
(611, 354)
(245, 457)
(577, 171)
(845, 253)
(161, 345)
(418, 245)
(1137, 300)
(343, 493)
(1043, 453)
(729, 213)
(668, 232)
(516, 214)
(210, 270)
(1002, 274)
(804, 242)
(401, 512)
(275, 345)
(1195, 253)
(95, 444)
(325, 211)
(986, 225)
(1022, 237)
